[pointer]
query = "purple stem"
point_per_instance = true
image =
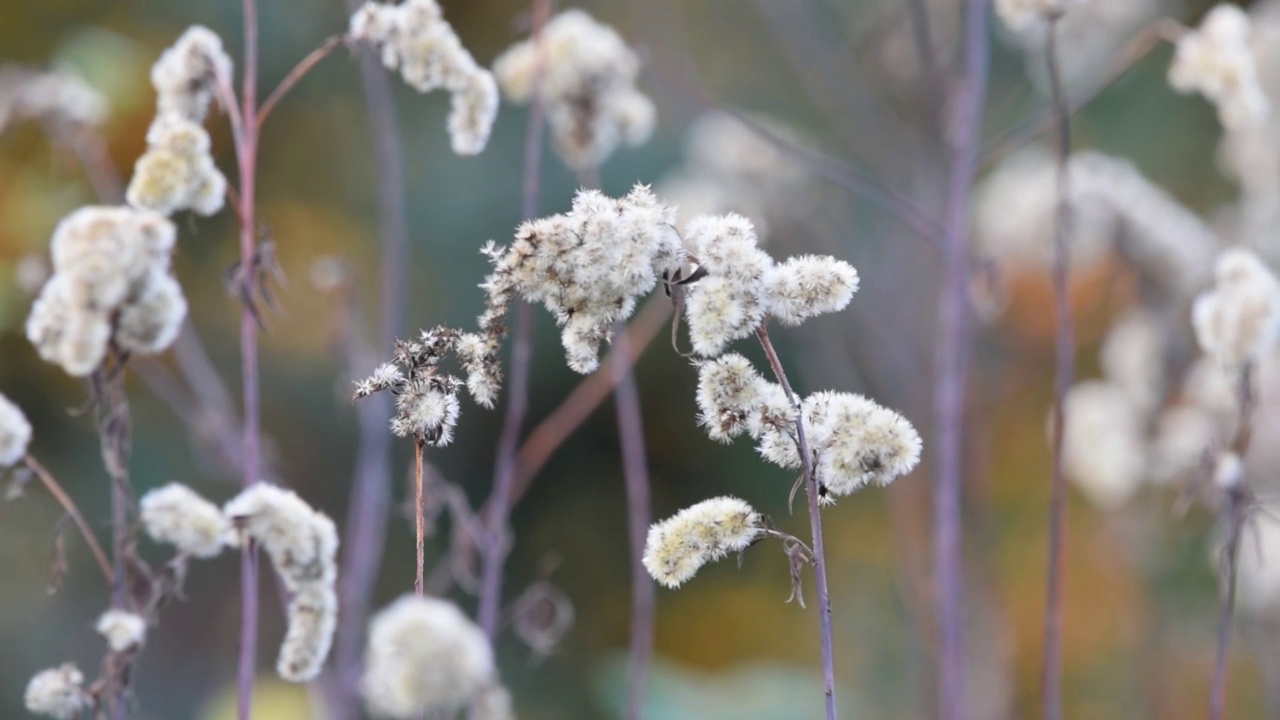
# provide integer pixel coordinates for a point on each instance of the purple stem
(815, 525)
(952, 359)
(366, 525)
(1064, 338)
(635, 473)
(504, 471)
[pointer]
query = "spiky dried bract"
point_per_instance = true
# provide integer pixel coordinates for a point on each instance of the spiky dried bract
(586, 78)
(1239, 318)
(57, 693)
(15, 433)
(424, 656)
(111, 272)
(1217, 61)
(415, 39)
(809, 285)
(185, 77)
(678, 546)
(730, 392)
(177, 172)
(302, 544)
(1103, 450)
(587, 266)
(177, 515)
(56, 98)
(123, 630)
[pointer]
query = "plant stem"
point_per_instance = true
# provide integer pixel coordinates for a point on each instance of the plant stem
(296, 74)
(635, 472)
(952, 362)
(420, 521)
(1064, 340)
(815, 524)
(366, 525)
(1234, 513)
(247, 158)
(69, 505)
(504, 471)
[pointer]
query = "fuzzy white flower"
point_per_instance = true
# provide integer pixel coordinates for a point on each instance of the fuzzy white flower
(1133, 357)
(1239, 318)
(15, 433)
(151, 319)
(809, 285)
(1217, 61)
(177, 172)
(185, 76)
(57, 98)
(302, 544)
(415, 39)
(176, 515)
(585, 76)
(726, 305)
(1103, 450)
(730, 393)
(123, 630)
(427, 410)
(424, 656)
(57, 693)
(678, 546)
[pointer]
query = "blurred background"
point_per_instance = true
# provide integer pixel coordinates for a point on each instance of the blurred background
(840, 78)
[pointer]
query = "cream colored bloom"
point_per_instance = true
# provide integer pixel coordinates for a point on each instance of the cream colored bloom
(678, 546)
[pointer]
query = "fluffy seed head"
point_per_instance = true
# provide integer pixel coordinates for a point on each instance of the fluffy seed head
(56, 693)
(1217, 61)
(177, 172)
(857, 442)
(56, 98)
(678, 546)
(809, 285)
(15, 433)
(1239, 318)
(151, 319)
(1103, 451)
(313, 616)
(123, 630)
(424, 656)
(176, 515)
(729, 394)
(185, 76)
(726, 305)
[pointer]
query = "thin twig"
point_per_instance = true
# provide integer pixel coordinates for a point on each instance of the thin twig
(366, 525)
(635, 473)
(504, 471)
(1064, 338)
(815, 524)
(953, 352)
(297, 73)
(419, 516)
(77, 517)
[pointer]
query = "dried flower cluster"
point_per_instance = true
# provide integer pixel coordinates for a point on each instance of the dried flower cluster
(123, 630)
(57, 693)
(585, 76)
(415, 39)
(56, 98)
(1021, 14)
(1216, 60)
(15, 433)
(427, 404)
(176, 515)
(111, 285)
(678, 546)
(187, 74)
(302, 544)
(587, 266)
(424, 656)
(1103, 450)
(1240, 317)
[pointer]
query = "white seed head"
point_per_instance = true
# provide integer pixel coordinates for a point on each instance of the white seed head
(585, 75)
(857, 442)
(312, 617)
(123, 630)
(1239, 318)
(678, 546)
(177, 172)
(427, 411)
(809, 285)
(424, 656)
(726, 305)
(176, 515)
(1258, 568)
(415, 39)
(57, 693)
(1217, 61)
(1103, 450)
(151, 318)
(15, 433)
(1133, 357)
(64, 333)
(730, 392)
(1020, 15)
(186, 74)
(56, 98)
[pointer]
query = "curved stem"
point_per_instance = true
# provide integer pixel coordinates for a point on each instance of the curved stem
(815, 525)
(1064, 341)
(69, 505)
(296, 74)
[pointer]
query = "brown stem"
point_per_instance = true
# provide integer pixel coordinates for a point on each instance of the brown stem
(1065, 351)
(73, 511)
(815, 525)
(635, 472)
(420, 520)
(296, 74)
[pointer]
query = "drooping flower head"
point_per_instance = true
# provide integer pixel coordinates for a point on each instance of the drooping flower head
(1239, 318)
(678, 546)
(57, 693)
(176, 515)
(123, 630)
